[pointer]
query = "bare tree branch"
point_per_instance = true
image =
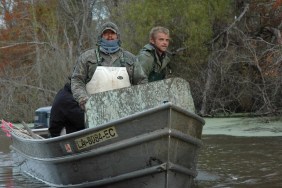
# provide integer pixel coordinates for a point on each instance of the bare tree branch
(246, 8)
(23, 43)
(26, 85)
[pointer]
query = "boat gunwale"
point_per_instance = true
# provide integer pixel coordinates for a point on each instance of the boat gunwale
(114, 122)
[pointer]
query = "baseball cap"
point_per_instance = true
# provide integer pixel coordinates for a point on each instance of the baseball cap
(110, 28)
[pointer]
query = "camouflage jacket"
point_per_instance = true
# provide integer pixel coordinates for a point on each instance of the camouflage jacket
(154, 66)
(90, 59)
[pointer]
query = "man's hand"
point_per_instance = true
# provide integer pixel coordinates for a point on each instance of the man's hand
(82, 103)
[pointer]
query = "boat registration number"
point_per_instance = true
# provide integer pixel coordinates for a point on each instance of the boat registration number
(95, 138)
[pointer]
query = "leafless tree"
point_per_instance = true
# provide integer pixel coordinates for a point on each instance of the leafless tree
(29, 86)
(244, 72)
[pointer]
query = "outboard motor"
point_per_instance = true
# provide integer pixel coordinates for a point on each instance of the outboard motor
(42, 117)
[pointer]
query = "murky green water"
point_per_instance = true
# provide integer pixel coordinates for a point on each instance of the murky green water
(253, 160)
(240, 162)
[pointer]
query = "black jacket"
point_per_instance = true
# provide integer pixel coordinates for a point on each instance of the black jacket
(65, 112)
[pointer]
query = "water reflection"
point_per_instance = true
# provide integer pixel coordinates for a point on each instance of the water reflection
(6, 172)
(241, 162)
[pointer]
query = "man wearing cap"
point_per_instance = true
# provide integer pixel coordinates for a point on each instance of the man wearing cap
(105, 68)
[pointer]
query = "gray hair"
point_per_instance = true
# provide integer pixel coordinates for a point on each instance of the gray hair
(156, 30)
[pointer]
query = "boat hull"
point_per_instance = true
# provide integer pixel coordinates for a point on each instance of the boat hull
(158, 146)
